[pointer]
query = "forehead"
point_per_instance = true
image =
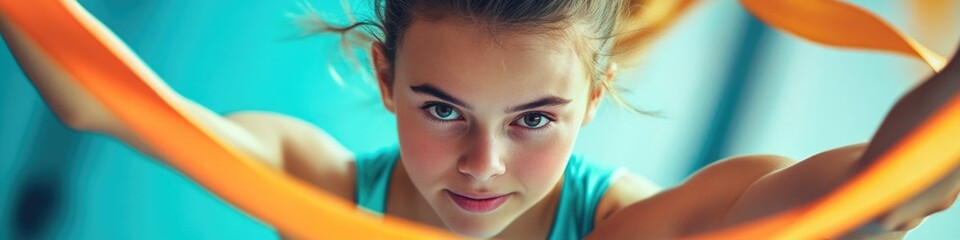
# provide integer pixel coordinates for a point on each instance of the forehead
(471, 61)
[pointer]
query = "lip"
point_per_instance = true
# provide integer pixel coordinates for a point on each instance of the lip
(478, 203)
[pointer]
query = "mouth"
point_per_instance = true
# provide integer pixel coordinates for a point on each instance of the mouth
(478, 204)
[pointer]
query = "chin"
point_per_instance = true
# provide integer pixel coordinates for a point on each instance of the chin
(476, 231)
(473, 226)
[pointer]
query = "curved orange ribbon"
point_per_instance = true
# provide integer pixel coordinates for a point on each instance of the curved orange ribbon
(839, 24)
(916, 162)
(896, 175)
(102, 65)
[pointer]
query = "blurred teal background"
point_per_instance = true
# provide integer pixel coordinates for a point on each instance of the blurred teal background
(725, 83)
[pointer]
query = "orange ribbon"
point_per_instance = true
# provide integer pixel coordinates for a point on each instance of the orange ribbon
(102, 65)
(839, 24)
(915, 163)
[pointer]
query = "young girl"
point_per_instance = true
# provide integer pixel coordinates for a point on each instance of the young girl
(489, 97)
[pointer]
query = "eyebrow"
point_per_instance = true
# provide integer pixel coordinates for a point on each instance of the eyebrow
(542, 102)
(428, 89)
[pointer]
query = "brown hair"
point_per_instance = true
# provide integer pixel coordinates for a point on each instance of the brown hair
(615, 30)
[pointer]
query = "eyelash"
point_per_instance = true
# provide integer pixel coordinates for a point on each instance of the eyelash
(425, 109)
(550, 120)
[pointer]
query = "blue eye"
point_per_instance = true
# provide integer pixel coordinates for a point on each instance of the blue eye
(533, 120)
(443, 112)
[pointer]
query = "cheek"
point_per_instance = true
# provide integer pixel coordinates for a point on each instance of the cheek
(426, 156)
(539, 166)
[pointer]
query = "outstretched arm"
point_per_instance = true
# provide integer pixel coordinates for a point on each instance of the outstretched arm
(78, 109)
(815, 177)
(88, 77)
(740, 189)
(281, 142)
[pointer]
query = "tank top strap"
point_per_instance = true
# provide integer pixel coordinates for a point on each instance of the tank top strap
(373, 178)
(584, 185)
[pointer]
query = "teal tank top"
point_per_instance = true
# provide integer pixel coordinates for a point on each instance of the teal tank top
(583, 186)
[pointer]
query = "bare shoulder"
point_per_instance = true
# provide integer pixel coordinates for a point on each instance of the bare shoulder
(303, 149)
(698, 204)
(626, 188)
(797, 184)
(742, 170)
(705, 198)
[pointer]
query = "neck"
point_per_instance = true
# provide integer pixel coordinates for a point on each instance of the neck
(405, 201)
(537, 221)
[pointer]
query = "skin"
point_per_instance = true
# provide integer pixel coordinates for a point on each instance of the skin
(486, 151)
(483, 145)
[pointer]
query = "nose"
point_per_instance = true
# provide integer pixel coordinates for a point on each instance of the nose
(482, 162)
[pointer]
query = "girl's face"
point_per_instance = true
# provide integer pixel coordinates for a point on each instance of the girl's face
(486, 124)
